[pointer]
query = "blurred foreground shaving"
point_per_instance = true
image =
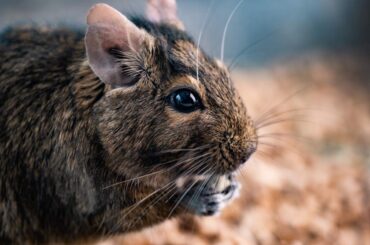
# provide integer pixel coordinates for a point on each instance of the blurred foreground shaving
(309, 183)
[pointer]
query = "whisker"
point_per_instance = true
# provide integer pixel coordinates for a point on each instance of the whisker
(133, 207)
(263, 156)
(279, 113)
(172, 182)
(181, 150)
(204, 184)
(278, 136)
(154, 202)
(180, 199)
(285, 147)
(201, 34)
(172, 189)
(289, 97)
(261, 152)
(227, 26)
(281, 121)
(195, 168)
(268, 144)
(241, 171)
(168, 191)
(272, 119)
(157, 172)
(234, 61)
(183, 195)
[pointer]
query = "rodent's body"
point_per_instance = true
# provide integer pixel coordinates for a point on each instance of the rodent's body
(67, 137)
(48, 137)
(45, 136)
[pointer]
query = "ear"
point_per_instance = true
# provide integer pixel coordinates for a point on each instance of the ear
(109, 30)
(163, 11)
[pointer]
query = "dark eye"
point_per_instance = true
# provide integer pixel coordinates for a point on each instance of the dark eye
(185, 100)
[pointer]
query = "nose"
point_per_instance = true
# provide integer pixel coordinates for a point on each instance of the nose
(239, 149)
(246, 154)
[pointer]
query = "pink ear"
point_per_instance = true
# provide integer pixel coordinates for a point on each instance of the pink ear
(163, 11)
(109, 29)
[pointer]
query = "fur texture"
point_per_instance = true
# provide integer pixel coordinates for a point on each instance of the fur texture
(70, 145)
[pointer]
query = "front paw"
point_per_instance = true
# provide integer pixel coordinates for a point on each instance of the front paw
(209, 196)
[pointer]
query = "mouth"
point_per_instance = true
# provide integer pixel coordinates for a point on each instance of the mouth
(208, 195)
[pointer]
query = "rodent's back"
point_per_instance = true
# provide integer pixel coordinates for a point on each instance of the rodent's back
(34, 62)
(38, 56)
(34, 83)
(43, 138)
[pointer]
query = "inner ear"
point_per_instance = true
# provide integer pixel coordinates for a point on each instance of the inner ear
(131, 68)
(163, 11)
(110, 37)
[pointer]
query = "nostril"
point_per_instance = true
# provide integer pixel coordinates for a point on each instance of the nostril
(244, 159)
(246, 155)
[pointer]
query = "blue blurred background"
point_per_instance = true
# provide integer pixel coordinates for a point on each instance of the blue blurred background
(271, 29)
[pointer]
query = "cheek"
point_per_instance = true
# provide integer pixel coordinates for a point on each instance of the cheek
(178, 119)
(124, 121)
(177, 130)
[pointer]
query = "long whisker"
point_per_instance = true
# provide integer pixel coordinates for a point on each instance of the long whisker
(279, 113)
(204, 184)
(184, 194)
(133, 207)
(289, 97)
(281, 117)
(180, 150)
(196, 169)
(194, 165)
(285, 147)
(279, 136)
(263, 155)
(227, 26)
(160, 189)
(269, 144)
(181, 198)
(157, 199)
(172, 189)
(157, 172)
(263, 125)
(205, 22)
(241, 171)
(234, 61)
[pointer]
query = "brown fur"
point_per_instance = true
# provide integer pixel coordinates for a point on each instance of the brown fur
(67, 139)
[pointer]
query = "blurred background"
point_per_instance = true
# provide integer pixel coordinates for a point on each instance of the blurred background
(303, 70)
(281, 28)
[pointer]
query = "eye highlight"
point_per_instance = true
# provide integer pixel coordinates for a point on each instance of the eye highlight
(184, 100)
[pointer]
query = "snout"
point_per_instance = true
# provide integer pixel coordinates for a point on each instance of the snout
(243, 153)
(236, 151)
(246, 154)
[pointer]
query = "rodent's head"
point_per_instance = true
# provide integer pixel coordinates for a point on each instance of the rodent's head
(168, 107)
